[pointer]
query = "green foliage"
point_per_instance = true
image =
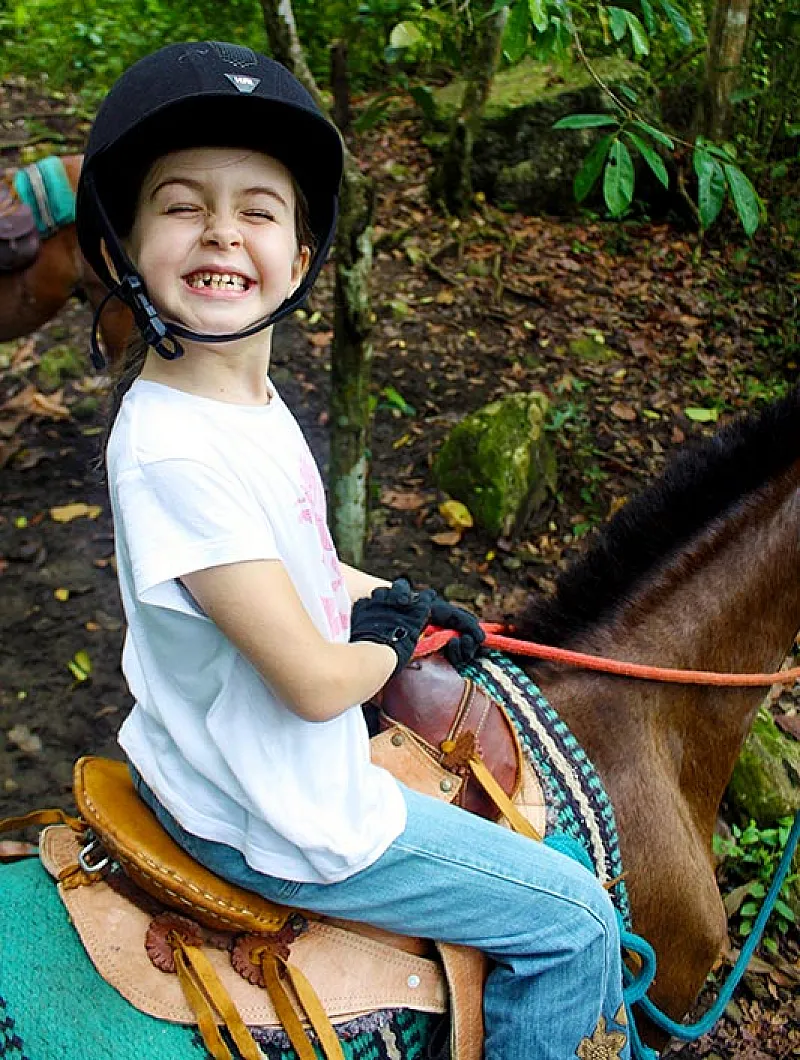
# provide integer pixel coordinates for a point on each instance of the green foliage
(85, 44)
(717, 174)
(751, 857)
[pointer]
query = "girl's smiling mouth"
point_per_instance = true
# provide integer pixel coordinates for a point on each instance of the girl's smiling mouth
(212, 281)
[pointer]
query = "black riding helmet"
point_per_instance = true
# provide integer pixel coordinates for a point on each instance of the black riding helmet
(199, 95)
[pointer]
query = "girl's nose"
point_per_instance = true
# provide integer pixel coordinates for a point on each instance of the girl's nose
(221, 231)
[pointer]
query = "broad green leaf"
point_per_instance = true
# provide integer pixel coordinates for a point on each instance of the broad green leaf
(618, 21)
(710, 186)
(657, 134)
(745, 198)
(785, 911)
(702, 415)
(641, 45)
(585, 121)
(628, 93)
(618, 179)
(678, 21)
(405, 35)
(649, 16)
(591, 167)
(515, 37)
(726, 153)
(538, 11)
(650, 156)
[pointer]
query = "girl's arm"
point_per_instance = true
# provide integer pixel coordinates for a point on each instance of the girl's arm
(257, 607)
(359, 583)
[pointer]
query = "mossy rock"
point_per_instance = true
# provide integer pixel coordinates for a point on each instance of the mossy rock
(499, 462)
(766, 780)
(766, 783)
(58, 364)
(519, 160)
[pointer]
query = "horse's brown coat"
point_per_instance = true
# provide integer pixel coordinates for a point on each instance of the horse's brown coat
(728, 601)
(32, 297)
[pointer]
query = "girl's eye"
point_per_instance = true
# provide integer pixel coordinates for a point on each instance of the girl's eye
(182, 208)
(263, 215)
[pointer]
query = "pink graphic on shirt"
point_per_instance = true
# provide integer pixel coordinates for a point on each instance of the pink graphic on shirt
(312, 511)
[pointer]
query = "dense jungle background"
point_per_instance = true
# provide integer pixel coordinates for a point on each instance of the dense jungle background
(637, 264)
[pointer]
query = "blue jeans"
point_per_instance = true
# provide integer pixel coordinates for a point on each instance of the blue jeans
(555, 988)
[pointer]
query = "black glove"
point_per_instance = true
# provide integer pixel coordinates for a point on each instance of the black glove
(395, 616)
(464, 648)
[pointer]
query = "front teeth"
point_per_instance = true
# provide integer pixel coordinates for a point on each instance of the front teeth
(218, 281)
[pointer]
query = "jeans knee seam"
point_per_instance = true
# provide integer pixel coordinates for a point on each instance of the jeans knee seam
(399, 845)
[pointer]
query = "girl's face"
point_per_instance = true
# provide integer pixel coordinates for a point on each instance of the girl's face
(214, 237)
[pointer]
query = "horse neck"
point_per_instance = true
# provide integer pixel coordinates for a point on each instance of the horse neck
(729, 602)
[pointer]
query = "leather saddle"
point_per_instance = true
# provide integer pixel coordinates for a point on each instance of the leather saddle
(198, 926)
(19, 236)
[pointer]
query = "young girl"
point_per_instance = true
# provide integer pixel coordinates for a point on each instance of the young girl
(208, 203)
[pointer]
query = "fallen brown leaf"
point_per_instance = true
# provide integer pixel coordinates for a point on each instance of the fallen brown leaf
(448, 538)
(65, 513)
(622, 411)
(403, 500)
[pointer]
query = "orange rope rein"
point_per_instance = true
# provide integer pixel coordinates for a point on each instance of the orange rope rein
(434, 640)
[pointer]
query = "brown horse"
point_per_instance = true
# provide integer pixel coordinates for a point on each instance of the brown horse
(702, 572)
(33, 296)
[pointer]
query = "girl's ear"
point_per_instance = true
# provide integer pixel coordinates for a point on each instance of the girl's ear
(299, 268)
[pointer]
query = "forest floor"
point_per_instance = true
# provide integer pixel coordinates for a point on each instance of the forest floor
(640, 339)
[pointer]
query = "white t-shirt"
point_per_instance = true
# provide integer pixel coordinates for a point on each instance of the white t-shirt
(196, 483)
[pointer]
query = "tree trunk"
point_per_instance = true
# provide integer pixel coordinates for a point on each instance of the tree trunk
(727, 37)
(351, 364)
(352, 350)
(451, 183)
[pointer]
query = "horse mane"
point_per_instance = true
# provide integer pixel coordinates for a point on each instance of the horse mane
(700, 484)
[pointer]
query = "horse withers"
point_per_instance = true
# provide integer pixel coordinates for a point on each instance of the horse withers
(31, 296)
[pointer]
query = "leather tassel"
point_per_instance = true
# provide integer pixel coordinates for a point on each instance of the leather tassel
(501, 800)
(206, 994)
(290, 1021)
(317, 1016)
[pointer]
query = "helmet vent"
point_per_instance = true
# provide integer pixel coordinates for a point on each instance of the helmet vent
(235, 54)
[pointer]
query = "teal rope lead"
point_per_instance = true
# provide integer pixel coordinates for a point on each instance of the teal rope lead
(637, 986)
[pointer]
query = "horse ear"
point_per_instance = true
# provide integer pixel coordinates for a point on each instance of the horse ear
(109, 263)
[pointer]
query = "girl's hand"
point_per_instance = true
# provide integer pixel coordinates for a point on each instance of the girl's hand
(395, 616)
(460, 649)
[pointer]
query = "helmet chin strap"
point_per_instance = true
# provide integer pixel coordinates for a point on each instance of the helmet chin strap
(161, 335)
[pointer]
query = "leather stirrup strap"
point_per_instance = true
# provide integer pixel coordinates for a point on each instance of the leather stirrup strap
(41, 818)
(206, 994)
(272, 967)
(501, 800)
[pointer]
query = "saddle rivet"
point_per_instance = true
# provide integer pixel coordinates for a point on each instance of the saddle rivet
(446, 785)
(414, 981)
(397, 739)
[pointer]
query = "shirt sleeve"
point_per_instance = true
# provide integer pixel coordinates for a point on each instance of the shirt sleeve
(180, 515)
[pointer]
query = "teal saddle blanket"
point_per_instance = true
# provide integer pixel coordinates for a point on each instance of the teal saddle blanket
(55, 1006)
